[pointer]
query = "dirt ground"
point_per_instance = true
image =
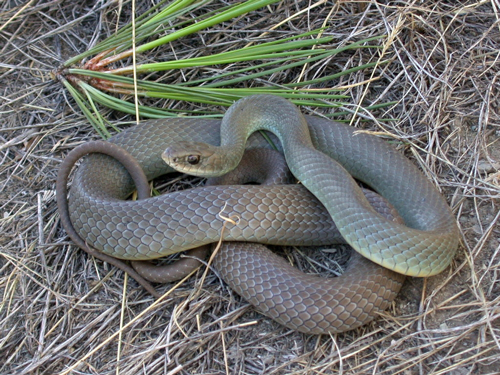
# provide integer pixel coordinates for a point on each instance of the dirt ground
(62, 312)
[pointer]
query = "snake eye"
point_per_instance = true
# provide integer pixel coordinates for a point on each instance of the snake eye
(193, 159)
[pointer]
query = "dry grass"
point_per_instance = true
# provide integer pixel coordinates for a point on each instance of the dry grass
(62, 312)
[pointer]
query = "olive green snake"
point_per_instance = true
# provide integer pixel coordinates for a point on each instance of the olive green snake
(323, 155)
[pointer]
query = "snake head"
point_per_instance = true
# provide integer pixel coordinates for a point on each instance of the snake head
(194, 158)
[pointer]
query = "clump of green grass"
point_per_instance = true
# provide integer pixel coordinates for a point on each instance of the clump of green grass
(98, 82)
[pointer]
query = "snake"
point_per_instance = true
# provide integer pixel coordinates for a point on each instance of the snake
(325, 156)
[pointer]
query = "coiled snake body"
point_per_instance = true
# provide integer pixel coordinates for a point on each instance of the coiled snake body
(276, 215)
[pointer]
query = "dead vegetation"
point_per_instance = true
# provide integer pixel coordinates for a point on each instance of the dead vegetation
(62, 312)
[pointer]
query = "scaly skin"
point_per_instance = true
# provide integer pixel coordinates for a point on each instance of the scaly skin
(163, 225)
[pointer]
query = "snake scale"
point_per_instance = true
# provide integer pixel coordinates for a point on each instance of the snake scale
(178, 221)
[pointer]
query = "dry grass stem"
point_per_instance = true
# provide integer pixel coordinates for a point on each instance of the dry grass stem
(62, 312)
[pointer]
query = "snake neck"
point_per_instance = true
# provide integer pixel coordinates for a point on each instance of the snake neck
(262, 112)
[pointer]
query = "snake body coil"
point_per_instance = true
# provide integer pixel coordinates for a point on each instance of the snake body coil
(275, 215)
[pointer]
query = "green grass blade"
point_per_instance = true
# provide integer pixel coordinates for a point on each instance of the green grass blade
(226, 15)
